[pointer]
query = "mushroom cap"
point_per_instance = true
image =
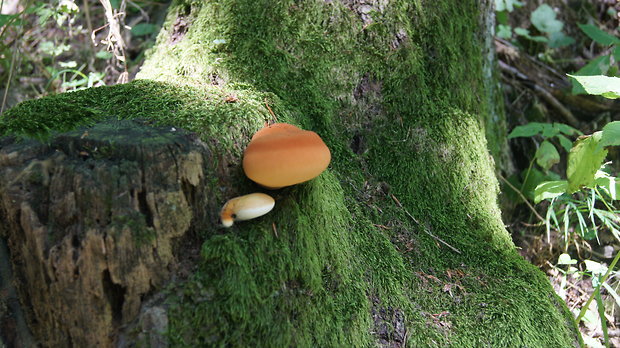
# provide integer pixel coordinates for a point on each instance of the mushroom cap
(282, 155)
(246, 207)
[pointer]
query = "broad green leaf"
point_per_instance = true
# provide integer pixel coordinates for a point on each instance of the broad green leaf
(533, 179)
(616, 53)
(549, 130)
(611, 134)
(565, 259)
(566, 144)
(598, 35)
(544, 19)
(597, 66)
(608, 87)
(504, 31)
(547, 155)
(143, 29)
(522, 32)
(4, 18)
(566, 129)
(501, 17)
(549, 190)
(559, 39)
(584, 160)
(527, 130)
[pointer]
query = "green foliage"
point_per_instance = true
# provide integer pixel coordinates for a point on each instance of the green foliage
(608, 87)
(544, 19)
(507, 5)
(599, 36)
(550, 190)
(546, 130)
(584, 160)
(547, 155)
(611, 134)
(591, 78)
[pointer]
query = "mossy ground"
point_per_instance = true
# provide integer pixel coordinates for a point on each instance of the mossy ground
(406, 90)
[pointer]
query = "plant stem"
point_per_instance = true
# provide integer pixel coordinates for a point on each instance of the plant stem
(522, 197)
(598, 288)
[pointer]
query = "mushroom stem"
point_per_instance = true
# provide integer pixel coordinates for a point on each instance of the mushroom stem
(246, 207)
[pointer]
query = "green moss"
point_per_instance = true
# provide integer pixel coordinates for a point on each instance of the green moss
(404, 90)
(136, 223)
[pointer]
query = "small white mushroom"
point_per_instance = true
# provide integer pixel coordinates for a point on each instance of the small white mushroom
(246, 207)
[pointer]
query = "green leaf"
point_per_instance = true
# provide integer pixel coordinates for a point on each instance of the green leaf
(504, 31)
(4, 18)
(611, 134)
(143, 29)
(104, 55)
(566, 144)
(544, 19)
(590, 234)
(584, 160)
(616, 53)
(566, 129)
(598, 35)
(559, 39)
(522, 32)
(550, 190)
(608, 183)
(533, 179)
(597, 66)
(549, 130)
(608, 87)
(565, 259)
(507, 5)
(501, 17)
(527, 130)
(547, 155)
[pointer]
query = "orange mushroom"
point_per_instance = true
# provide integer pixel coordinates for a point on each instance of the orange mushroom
(282, 155)
(245, 208)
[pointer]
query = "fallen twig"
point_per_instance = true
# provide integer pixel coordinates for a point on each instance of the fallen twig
(423, 227)
(522, 197)
(544, 93)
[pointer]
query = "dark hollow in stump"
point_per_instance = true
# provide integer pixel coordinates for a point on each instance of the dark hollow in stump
(91, 218)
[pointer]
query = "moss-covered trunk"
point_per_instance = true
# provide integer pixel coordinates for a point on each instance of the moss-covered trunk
(400, 242)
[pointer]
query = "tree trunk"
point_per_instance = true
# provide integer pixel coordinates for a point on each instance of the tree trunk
(399, 243)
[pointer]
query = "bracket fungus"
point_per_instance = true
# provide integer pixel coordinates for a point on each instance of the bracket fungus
(282, 155)
(246, 207)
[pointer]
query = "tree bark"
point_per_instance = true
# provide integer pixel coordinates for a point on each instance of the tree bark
(399, 243)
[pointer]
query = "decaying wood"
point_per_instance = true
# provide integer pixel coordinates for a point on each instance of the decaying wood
(91, 218)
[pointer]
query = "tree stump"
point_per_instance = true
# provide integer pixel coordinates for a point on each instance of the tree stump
(91, 218)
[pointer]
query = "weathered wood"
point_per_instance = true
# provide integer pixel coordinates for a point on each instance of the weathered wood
(91, 218)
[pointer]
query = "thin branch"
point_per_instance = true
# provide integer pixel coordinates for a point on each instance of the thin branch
(544, 93)
(423, 227)
(522, 197)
